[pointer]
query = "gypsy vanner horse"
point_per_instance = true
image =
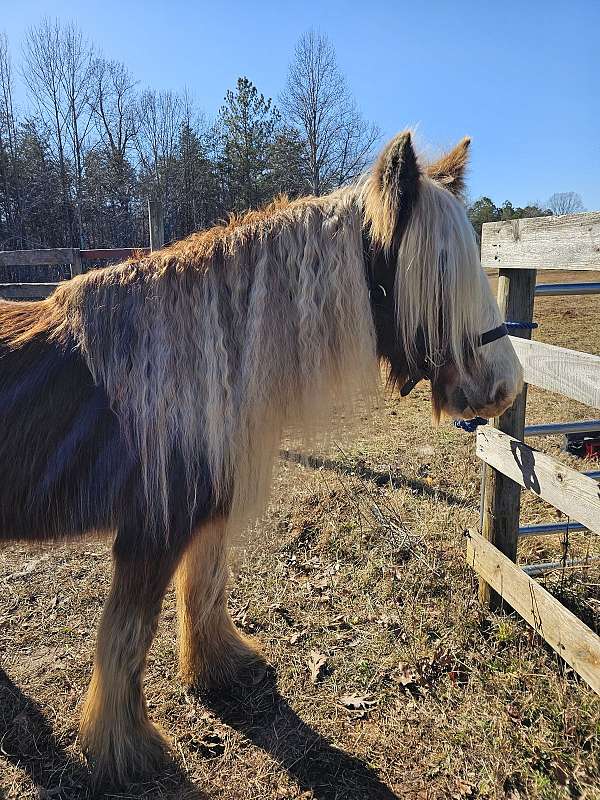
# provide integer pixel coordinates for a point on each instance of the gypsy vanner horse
(147, 400)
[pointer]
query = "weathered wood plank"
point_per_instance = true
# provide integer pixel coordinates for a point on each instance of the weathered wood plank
(568, 635)
(573, 493)
(26, 291)
(565, 242)
(156, 225)
(76, 265)
(115, 254)
(500, 496)
(568, 372)
(26, 258)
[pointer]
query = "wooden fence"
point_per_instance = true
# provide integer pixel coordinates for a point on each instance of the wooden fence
(76, 261)
(518, 249)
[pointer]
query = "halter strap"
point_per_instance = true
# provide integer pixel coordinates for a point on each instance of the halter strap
(493, 334)
(485, 338)
(422, 371)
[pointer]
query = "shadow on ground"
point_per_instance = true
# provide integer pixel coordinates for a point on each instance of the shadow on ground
(267, 720)
(393, 479)
(28, 742)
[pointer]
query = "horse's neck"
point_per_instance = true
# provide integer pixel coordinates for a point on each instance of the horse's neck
(313, 300)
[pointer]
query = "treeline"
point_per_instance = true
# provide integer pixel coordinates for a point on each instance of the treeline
(79, 165)
(484, 210)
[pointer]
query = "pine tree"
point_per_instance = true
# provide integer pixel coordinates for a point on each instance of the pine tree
(248, 123)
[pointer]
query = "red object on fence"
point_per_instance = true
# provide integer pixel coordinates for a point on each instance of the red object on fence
(592, 447)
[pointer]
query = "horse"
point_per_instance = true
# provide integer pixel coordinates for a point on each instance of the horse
(147, 400)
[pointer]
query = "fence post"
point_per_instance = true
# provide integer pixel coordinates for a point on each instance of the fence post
(76, 267)
(156, 225)
(500, 496)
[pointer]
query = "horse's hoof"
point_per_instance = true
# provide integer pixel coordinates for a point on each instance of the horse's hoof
(120, 759)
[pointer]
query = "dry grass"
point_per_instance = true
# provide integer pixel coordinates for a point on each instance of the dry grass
(360, 562)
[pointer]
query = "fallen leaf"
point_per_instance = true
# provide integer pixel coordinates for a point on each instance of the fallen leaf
(316, 664)
(408, 676)
(212, 745)
(357, 702)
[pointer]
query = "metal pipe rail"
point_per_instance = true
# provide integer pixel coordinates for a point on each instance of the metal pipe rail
(555, 289)
(548, 566)
(548, 528)
(556, 428)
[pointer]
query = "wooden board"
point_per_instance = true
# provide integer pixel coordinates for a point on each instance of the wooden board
(27, 258)
(573, 493)
(26, 291)
(566, 633)
(569, 372)
(565, 242)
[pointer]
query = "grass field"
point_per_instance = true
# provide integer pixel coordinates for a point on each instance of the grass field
(391, 679)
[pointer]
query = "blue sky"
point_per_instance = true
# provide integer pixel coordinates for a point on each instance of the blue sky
(522, 78)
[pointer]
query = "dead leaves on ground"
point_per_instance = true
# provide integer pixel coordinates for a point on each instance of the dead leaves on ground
(358, 705)
(420, 677)
(317, 663)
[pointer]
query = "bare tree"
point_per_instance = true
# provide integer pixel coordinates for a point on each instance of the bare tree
(43, 73)
(8, 145)
(57, 70)
(113, 105)
(565, 203)
(77, 72)
(160, 117)
(114, 108)
(317, 102)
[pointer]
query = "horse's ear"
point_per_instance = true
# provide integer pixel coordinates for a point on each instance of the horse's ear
(396, 171)
(392, 189)
(449, 170)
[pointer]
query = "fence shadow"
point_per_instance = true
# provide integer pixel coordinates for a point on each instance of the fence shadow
(525, 459)
(395, 479)
(267, 720)
(28, 742)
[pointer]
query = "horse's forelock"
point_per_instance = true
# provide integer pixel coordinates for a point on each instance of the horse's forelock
(438, 280)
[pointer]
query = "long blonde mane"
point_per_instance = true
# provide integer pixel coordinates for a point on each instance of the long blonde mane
(217, 344)
(214, 346)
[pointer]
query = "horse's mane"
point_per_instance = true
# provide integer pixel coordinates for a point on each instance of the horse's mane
(239, 229)
(213, 346)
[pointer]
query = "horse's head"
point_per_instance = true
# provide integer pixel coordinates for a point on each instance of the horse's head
(430, 297)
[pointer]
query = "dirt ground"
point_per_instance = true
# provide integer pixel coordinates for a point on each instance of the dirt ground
(391, 680)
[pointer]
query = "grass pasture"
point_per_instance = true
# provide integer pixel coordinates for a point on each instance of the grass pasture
(391, 679)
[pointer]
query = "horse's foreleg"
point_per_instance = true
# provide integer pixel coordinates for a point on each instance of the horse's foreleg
(212, 652)
(115, 730)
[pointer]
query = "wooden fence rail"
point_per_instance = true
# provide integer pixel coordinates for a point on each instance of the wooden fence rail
(574, 494)
(566, 633)
(568, 372)
(565, 242)
(74, 259)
